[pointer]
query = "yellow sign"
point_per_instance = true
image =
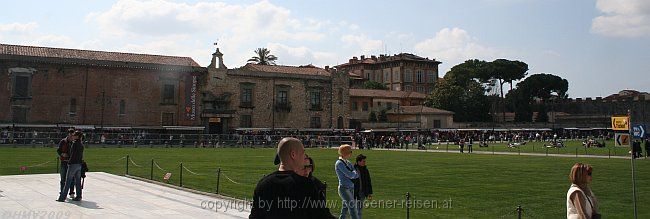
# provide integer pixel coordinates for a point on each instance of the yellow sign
(215, 120)
(620, 123)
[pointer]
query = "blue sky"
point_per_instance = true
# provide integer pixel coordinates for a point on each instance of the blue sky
(600, 46)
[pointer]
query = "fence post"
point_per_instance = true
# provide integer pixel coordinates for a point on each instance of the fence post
(151, 173)
(519, 210)
(181, 176)
(547, 152)
(408, 207)
(127, 164)
(447, 146)
(519, 150)
(609, 153)
(218, 178)
(576, 152)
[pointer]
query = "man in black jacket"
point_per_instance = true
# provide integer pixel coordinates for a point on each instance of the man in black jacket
(363, 184)
(284, 193)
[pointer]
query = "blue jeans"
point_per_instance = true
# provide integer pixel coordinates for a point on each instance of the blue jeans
(360, 203)
(349, 203)
(63, 173)
(73, 173)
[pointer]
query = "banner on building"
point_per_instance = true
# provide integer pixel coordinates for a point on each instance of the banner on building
(191, 90)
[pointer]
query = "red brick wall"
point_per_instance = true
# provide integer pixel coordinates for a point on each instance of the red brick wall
(53, 86)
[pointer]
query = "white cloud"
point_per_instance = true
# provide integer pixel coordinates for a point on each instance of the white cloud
(18, 27)
(160, 18)
(623, 18)
(454, 46)
(55, 41)
(365, 44)
(165, 27)
(288, 55)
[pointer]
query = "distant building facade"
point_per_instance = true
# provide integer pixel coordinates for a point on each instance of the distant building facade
(400, 72)
(403, 109)
(42, 85)
(274, 96)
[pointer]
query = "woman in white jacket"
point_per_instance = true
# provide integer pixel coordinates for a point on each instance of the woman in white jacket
(580, 201)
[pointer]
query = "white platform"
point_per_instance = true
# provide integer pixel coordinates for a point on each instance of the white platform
(108, 196)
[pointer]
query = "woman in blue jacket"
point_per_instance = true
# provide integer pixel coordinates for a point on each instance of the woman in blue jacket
(346, 173)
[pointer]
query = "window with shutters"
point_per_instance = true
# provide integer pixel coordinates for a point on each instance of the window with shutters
(315, 122)
(21, 88)
(245, 121)
(408, 75)
(73, 107)
(168, 94)
(122, 107)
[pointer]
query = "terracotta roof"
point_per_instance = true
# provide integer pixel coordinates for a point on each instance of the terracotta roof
(385, 94)
(47, 52)
(418, 110)
(303, 70)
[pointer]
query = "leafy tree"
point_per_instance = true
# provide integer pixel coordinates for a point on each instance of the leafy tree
(463, 73)
(263, 57)
(374, 85)
(469, 103)
(506, 71)
(540, 87)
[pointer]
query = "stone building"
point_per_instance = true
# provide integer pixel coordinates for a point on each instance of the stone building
(69, 86)
(403, 109)
(400, 72)
(274, 96)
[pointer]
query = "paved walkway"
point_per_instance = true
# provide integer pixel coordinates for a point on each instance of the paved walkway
(108, 196)
(456, 151)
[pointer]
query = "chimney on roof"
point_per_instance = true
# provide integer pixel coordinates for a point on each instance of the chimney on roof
(327, 68)
(363, 57)
(373, 57)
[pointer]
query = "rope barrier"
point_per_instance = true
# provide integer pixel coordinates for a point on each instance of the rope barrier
(38, 165)
(134, 163)
(119, 159)
(229, 179)
(188, 170)
(160, 168)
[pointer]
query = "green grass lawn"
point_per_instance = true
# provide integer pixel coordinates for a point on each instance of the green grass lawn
(479, 186)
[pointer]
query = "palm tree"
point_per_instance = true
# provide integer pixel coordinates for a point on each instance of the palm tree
(263, 57)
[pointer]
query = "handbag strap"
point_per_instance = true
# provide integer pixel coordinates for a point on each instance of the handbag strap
(346, 165)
